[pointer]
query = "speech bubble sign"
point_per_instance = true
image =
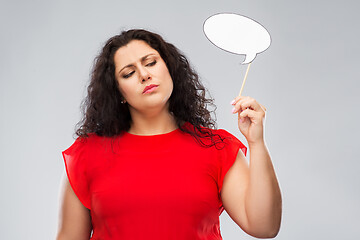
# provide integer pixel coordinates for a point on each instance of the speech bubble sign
(237, 34)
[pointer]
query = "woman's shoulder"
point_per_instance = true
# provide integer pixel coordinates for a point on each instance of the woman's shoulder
(93, 138)
(89, 148)
(212, 136)
(217, 131)
(91, 141)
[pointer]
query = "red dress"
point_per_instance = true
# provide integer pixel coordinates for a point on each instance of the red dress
(163, 186)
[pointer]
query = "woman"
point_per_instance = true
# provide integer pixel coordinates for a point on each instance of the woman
(148, 163)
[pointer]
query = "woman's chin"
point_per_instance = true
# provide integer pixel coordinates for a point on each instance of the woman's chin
(149, 107)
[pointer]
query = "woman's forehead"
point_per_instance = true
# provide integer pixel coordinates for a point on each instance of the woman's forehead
(132, 52)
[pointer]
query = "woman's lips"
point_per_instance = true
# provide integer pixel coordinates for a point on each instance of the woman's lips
(150, 88)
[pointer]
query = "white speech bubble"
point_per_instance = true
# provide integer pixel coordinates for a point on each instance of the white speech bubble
(237, 34)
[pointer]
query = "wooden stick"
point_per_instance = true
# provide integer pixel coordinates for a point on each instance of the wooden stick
(243, 84)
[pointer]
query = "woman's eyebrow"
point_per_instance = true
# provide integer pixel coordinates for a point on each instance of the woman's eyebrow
(141, 59)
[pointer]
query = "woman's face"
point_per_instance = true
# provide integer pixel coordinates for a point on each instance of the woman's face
(143, 78)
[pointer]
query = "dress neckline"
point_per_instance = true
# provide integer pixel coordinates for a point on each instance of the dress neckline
(153, 135)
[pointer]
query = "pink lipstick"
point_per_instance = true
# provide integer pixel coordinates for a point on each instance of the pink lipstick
(150, 88)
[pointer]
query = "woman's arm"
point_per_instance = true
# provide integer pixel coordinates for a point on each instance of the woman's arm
(251, 193)
(74, 217)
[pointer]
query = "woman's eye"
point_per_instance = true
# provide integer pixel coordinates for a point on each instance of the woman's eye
(128, 75)
(151, 63)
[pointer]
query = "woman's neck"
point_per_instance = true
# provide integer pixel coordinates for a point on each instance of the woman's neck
(160, 123)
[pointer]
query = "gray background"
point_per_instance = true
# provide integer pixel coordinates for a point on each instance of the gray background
(307, 79)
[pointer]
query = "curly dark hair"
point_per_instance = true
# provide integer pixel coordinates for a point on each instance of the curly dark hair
(105, 115)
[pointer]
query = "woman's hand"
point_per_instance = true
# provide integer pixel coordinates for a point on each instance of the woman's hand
(251, 118)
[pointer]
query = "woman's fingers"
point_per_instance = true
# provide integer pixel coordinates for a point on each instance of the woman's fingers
(241, 103)
(247, 113)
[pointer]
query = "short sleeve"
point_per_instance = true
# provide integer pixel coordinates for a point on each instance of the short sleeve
(228, 154)
(75, 165)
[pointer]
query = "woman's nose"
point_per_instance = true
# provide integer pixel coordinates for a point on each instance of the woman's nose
(144, 75)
